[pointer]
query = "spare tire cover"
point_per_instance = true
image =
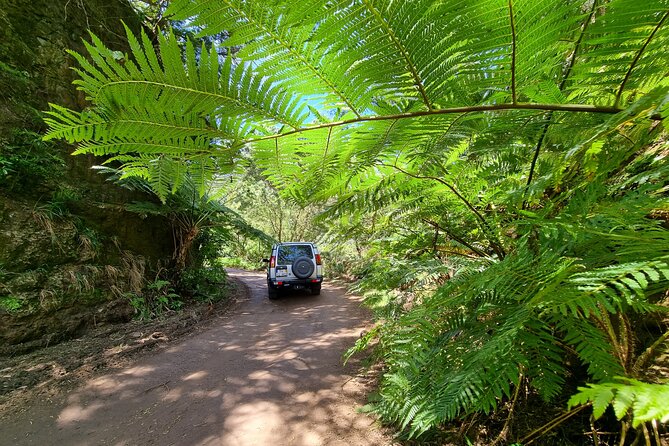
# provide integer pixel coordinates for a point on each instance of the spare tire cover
(303, 267)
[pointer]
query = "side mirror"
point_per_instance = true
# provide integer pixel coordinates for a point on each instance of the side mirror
(265, 260)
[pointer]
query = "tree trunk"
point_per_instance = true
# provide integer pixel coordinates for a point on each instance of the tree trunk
(184, 245)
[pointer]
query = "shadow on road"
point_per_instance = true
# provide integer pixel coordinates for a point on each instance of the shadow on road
(269, 374)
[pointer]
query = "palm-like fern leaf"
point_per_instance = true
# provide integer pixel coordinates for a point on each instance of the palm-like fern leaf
(357, 62)
(513, 132)
(645, 402)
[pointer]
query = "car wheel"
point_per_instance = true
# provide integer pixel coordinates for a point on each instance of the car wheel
(316, 290)
(272, 292)
(303, 267)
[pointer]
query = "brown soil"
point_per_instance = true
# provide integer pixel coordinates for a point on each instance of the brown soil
(65, 365)
(262, 373)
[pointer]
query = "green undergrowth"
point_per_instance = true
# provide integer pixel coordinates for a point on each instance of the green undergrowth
(206, 284)
(11, 304)
(195, 285)
(241, 263)
(26, 161)
(156, 299)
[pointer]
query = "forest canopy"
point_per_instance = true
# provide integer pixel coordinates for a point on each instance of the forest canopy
(502, 162)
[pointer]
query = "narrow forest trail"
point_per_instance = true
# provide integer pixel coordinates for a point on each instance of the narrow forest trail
(270, 373)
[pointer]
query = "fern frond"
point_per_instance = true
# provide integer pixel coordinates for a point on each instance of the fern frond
(131, 122)
(354, 65)
(210, 89)
(614, 288)
(643, 401)
(623, 39)
(592, 346)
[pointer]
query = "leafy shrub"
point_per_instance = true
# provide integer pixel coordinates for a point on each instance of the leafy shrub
(205, 284)
(158, 298)
(392, 285)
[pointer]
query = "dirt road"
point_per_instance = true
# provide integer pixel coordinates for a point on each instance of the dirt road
(269, 373)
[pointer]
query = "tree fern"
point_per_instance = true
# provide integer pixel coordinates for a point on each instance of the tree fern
(525, 137)
(401, 69)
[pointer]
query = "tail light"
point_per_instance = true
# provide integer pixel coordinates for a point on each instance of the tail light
(272, 261)
(318, 259)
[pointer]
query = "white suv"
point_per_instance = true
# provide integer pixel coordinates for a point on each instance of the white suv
(294, 265)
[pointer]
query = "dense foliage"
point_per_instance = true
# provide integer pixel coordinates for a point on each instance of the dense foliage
(503, 161)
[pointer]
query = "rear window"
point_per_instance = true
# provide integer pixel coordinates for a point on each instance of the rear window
(288, 253)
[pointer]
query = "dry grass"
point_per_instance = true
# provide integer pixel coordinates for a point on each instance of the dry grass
(87, 249)
(135, 267)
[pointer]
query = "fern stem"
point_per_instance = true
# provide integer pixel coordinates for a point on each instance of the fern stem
(325, 153)
(221, 97)
(656, 432)
(514, 97)
(563, 82)
(505, 429)
(583, 108)
(595, 434)
(606, 326)
(637, 57)
(537, 150)
(278, 163)
(646, 434)
(455, 237)
(625, 339)
(648, 353)
(494, 244)
(577, 46)
(576, 108)
(542, 430)
(403, 51)
(455, 253)
(623, 433)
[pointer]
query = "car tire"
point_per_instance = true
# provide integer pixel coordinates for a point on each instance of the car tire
(303, 267)
(272, 292)
(316, 290)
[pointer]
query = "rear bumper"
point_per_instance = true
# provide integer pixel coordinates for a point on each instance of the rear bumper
(295, 283)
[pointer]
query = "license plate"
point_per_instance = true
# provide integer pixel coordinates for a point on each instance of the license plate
(281, 273)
